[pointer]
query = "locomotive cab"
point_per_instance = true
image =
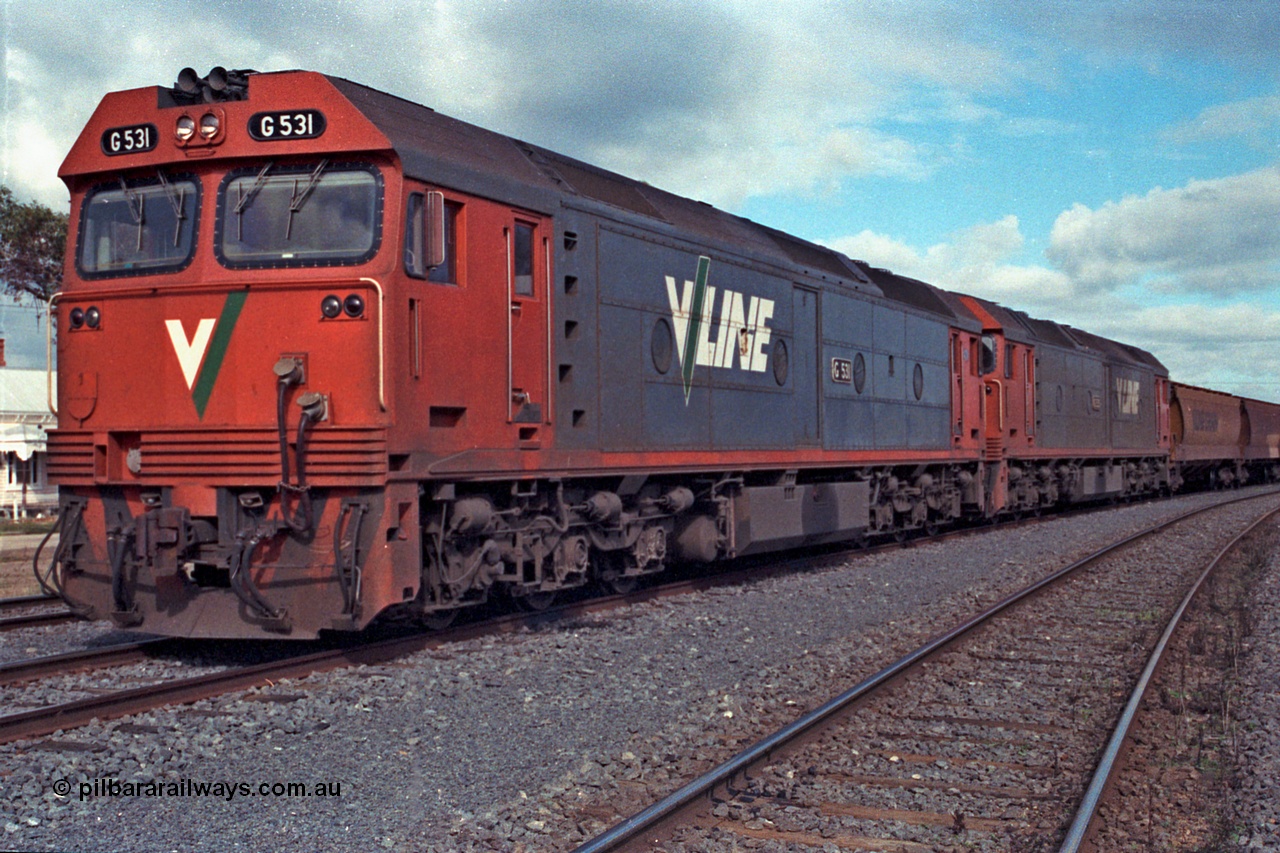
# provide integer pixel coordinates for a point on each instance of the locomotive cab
(223, 396)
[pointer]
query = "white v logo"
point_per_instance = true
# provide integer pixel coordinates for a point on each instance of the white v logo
(190, 353)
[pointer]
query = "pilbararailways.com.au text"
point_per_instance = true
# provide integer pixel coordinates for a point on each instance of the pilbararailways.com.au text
(228, 791)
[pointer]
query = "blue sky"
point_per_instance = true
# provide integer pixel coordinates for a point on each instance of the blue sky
(1113, 165)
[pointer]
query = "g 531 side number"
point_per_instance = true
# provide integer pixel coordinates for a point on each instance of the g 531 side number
(133, 139)
(293, 124)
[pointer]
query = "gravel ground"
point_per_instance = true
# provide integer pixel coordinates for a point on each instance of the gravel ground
(469, 746)
(1258, 799)
(1177, 785)
(16, 551)
(69, 637)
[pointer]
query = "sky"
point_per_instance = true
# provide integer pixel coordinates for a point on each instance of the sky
(1111, 165)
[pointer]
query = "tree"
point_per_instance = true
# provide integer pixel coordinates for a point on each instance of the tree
(33, 240)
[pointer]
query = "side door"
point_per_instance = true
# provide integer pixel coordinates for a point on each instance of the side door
(528, 325)
(804, 365)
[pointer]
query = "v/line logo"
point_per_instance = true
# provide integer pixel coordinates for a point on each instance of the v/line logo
(742, 332)
(200, 356)
(1127, 396)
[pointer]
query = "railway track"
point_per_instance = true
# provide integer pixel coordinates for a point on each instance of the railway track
(26, 611)
(42, 721)
(84, 659)
(22, 602)
(32, 611)
(48, 610)
(985, 736)
(39, 619)
(45, 720)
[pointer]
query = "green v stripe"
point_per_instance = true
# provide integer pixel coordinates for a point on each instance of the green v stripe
(690, 355)
(217, 350)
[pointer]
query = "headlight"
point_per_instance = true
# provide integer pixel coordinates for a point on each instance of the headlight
(93, 318)
(331, 306)
(208, 125)
(354, 305)
(185, 128)
(77, 318)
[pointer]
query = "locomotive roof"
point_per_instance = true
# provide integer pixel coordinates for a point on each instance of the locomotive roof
(911, 291)
(438, 149)
(1116, 350)
(1009, 320)
(1069, 337)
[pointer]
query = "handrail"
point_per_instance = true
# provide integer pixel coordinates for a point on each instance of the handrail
(48, 354)
(382, 357)
(510, 285)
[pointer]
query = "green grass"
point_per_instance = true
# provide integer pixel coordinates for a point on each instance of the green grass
(43, 525)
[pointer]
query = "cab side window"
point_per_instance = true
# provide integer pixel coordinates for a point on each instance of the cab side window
(988, 354)
(422, 220)
(523, 283)
(447, 271)
(415, 236)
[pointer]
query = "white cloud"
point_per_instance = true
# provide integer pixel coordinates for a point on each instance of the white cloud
(1219, 235)
(53, 83)
(720, 101)
(976, 260)
(1137, 271)
(1256, 120)
(1227, 347)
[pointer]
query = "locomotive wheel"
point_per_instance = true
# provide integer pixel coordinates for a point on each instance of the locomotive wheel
(438, 620)
(535, 602)
(612, 577)
(620, 585)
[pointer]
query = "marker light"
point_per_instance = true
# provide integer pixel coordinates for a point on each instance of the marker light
(185, 128)
(77, 318)
(331, 306)
(208, 125)
(93, 318)
(353, 305)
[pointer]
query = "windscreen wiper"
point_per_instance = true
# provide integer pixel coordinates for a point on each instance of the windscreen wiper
(245, 197)
(177, 197)
(300, 196)
(137, 208)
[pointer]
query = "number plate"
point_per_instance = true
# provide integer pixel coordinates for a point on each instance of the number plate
(129, 140)
(293, 124)
(842, 371)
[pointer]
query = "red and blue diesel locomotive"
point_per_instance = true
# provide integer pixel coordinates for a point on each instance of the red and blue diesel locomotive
(324, 353)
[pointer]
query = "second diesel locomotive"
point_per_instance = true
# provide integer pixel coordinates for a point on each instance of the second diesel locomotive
(324, 353)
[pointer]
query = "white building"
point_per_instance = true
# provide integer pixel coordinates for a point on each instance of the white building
(24, 415)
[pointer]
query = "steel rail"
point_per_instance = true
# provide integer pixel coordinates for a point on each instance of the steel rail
(27, 601)
(35, 620)
(1102, 776)
(43, 721)
(46, 720)
(628, 830)
(78, 661)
